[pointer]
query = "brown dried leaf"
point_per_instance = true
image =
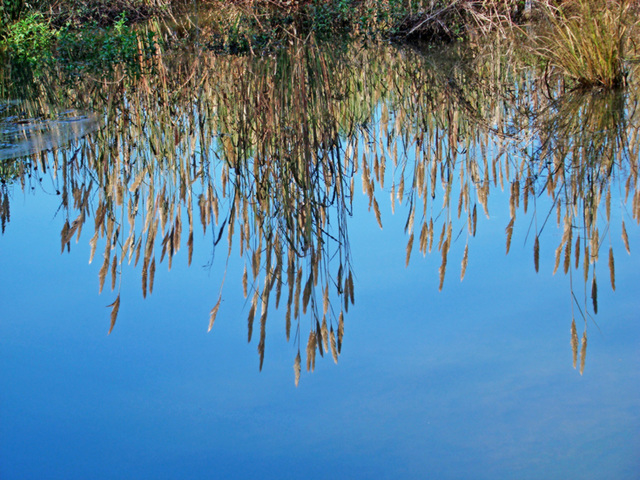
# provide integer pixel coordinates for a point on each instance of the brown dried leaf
(334, 350)
(319, 341)
(443, 267)
(64, 234)
(311, 349)
(594, 292)
(115, 306)
(351, 290)
(612, 269)
(252, 314)
(583, 352)
(376, 210)
(94, 243)
(244, 281)
(325, 334)
(114, 269)
(297, 368)
(558, 254)
(574, 342)
(152, 273)
(263, 333)
(509, 231)
(145, 267)
(567, 257)
(103, 271)
(409, 248)
(625, 238)
(325, 299)
(465, 260)
(306, 295)
(474, 220)
(340, 331)
(214, 313)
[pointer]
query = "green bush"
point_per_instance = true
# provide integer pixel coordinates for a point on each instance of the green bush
(95, 49)
(10, 11)
(29, 39)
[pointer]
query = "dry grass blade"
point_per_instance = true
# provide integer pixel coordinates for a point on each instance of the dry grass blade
(297, 368)
(115, 306)
(612, 269)
(465, 260)
(351, 289)
(583, 352)
(152, 274)
(93, 243)
(334, 350)
(558, 255)
(340, 331)
(252, 314)
(443, 267)
(311, 350)
(376, 210)
(145, 268)
(263, 334)
(409, 248)
(244, 281)
(474, 220)
(325, 334)
(114, 271)
(536, 253)
(102, 275)
(574, 342)
(509, 231)
(214, 312)
(567, 257)
(625, 238)
(64, 236)
(307, 293)
(325, 300)
(319, 341)
(594, 293)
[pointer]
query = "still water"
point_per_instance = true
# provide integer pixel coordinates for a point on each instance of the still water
(356, 262)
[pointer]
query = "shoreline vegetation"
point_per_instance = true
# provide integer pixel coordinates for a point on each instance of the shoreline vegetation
(591, 43)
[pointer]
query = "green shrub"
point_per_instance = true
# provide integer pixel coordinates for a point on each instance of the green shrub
(95, 49)
(29, 40)
(10, 11)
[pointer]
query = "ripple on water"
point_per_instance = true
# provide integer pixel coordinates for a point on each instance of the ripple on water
(23, 133)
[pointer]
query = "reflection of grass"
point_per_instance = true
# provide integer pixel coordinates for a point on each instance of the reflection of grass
(589, 40)
(265, 151)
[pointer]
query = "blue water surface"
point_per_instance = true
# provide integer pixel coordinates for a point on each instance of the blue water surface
(473, 382)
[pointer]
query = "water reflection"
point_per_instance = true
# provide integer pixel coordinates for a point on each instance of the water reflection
(263, 154)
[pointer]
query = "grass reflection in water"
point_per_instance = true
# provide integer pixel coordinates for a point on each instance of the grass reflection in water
(264, 152)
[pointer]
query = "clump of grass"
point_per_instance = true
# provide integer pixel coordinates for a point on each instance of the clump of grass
(588, 40)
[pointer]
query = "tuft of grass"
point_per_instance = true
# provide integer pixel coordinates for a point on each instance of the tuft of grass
(588, 40)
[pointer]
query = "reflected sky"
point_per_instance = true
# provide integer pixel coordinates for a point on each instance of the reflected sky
(474, 381)
(471, 382)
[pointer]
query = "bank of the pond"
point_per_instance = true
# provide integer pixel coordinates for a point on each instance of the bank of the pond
(589, 42)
